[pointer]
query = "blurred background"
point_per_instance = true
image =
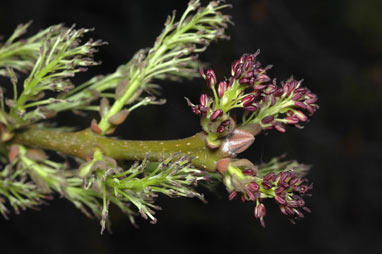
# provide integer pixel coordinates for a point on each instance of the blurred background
(335, 46)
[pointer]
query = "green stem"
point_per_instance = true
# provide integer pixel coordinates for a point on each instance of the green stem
(82, 144)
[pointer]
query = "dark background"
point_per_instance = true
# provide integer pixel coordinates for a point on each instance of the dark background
(335, 46)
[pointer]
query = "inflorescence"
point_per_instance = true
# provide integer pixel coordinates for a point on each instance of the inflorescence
(252, 90)
(286, 188)
(266, 104)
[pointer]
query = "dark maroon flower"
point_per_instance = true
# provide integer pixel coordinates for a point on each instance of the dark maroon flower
(222, 87)
(301, 116)
(297, 96)
(216, 114)
(232, 195)
(250, 108)
(249, 172)
(310, 109)
(267, 119)
(291, 119)
(269, 177)
(259, 87)
(299, 104)
(280, 128)
(204, 100)
(260, 213)
(247, 100)
(311, 100)
(280, 200)
(253, 187)
(226, 123)
(266, 185)
(270, 89)
(220, 129)
(210, 78)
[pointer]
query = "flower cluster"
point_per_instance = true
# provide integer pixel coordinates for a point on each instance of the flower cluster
(285, 187)
(251, 89)
(288, 104)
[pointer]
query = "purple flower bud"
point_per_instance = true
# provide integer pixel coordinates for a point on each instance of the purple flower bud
(249, 58)
(250, 195)
(293, 180)
(288, 210)
(290, 113)
(263, 78)
(243, 81)
(299, 104)
(279, 91)
(220, 129)
(250, 108)
(286, 87)
(280, 200)
(251, 81)
(280, 128)
(226, 123)
(279, 190)
(301, 116)
(247, 100)
(270, 89)
(266, 185)
(269, 177)
(310, 109)
(248, 75)
(260, 210)
(238, 72)
(291, 119)
(232, 195)
(293, 84)
(204, 100)
(222, 87)
(210, 78)
(259, 87)
(216, 114)
(267, 119)
(249, 172)
(311, 101)
(253, 187)
(297, 96)
(285, 176)
(234, 67)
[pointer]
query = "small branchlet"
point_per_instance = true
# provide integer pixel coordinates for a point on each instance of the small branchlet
(174, 54)
(141, 184)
